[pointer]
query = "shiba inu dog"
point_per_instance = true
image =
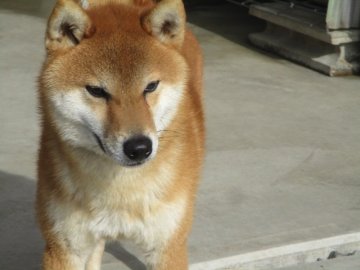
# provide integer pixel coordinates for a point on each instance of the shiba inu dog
(122, 132)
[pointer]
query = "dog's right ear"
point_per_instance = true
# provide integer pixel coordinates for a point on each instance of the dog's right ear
(166, 22)
(67, 26)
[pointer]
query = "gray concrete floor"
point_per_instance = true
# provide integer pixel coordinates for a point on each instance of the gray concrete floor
(344, 263)
(283, 148)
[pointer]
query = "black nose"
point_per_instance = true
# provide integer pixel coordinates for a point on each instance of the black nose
(138, 148)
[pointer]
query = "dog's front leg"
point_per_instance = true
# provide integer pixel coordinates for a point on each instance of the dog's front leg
(94, 261)
(173, 257)
(59, 258)
(72, 254)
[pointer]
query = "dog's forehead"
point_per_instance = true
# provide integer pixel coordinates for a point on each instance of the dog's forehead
(113, 17)
(123, 49)
(122, 52)
(124, 60)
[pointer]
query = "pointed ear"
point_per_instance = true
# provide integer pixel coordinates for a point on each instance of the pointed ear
(166, 21)
(67, 26)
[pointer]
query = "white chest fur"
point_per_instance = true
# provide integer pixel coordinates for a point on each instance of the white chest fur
(151, 229)
(117, 209)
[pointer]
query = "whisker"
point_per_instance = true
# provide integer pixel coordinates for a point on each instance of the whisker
(167, 139)
(168, 130)
(168, 136)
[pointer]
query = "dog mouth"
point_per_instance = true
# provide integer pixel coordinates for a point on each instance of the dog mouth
(134, 164)
(98, 140)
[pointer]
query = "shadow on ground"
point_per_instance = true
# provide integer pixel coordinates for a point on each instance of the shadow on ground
(227, 20)
(21, 244)
(120, 253)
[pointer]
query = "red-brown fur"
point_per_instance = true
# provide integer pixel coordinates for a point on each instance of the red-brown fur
(182, 147)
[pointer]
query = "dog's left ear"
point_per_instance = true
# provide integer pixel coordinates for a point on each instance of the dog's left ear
(68, 25)
(167, 22)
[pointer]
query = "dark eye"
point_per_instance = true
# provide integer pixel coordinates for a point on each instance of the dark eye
(97, 91)
(151, 87)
